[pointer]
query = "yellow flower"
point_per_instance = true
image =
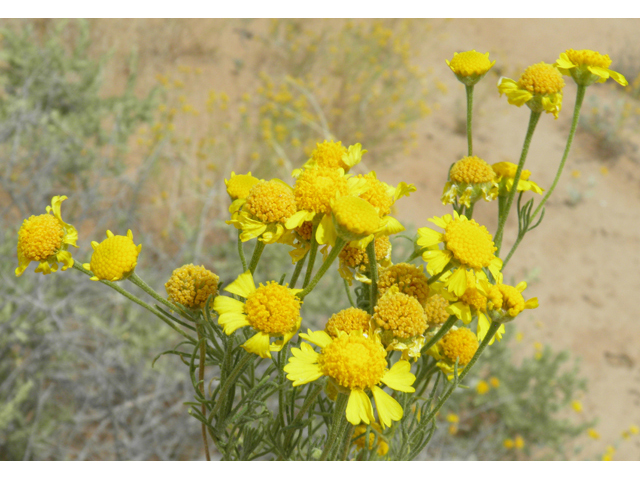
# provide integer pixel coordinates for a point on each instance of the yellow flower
(45, 239)
(576, 405)
(470, 67)
(482, 387)
(593, 434)
(191, 285)
(382, 195)
(634, 429)
(540, 87)
(495, 383)
(453, 418)
(436, 309)
(354, 364)
(348, 321)
(354, 261)
(459, 344)
(264, 212)
(114, 258)
(272, 310)
(587, 67)
(504, 302)
(401, 321)
(506, 174)
(470, 179)
(333, 155)
(508, 444)
(409, 279)
(238, 188)
(374, 439)
(519, 442)
(467, 246)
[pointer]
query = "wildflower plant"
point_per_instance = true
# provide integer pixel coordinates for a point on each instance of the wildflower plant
(380, 371)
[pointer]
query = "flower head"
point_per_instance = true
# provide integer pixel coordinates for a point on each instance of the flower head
(505, 302)
(374, 439)
(45, 239)
(540, 87)
(467, 246)
(469, 67)
(435, 309)
(401, 321)
(382, 195)
(409, 279)
(470, 179)
(587, 67)
(348, 321)
(333, 155)
(114, 258)
(355, 365)
(506, 174)
(264, 212)
(272, 310)
(238, 188)
(191, 285)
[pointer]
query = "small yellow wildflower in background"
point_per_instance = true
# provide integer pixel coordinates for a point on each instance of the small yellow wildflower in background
(576, 173)
(359, 440)
(114, 258)
(587, 67)
(518, 442)
(272, 310)
(494, 382)
(604, 171)
(354, 364)
(593, 434)
(482, 387)
(453, 418)
(608, 454)
(469, 67)
(508, 444)
(540, 87)
(45, 239)
(191, 285)
(634, 430)
(576, 405)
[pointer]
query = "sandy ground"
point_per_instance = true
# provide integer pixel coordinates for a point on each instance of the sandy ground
(587, 253)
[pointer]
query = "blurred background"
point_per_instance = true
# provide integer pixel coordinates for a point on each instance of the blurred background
(139, 121)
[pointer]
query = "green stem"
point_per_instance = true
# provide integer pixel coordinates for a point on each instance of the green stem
(574, 124)
(312, 257)
(333, 254)
(346, 440)
(469, 211)
(201, 366)
(230, 381)
(297, 270)
(337, 423)
(469, 89)
(241, 252)
(136, 280)
(311, 397)
(373, 272)
(255, 258)
(135, 299)
(348, 290)
(438, 275)
(533, 121)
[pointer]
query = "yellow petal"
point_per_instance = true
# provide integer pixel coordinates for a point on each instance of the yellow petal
(564, 62)
(458, 282)
(389, 226)
(531, 303)
(436, 260)
(359, 408)
(298, 219)
(243, 285)
(428, 237)
(224, 305)
(326, 232)
(230, 322)
(462, 311)
(319, 337)
(388, 408)
(399, 377)
(258, 344)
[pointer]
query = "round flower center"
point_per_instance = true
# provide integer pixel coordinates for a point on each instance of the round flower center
(329, 154)
(409, 279)
(239, 186)
(377, 195)
(400, 314)
(305, 230)
(470, 63)
(354, 257)
(474, 299)
(507, 298)
(315, 188)
(114, 258)
(588, 57)
(459, 344)
(271, 201)
(40, 237)
(471, 170)
(191, 285)
(354, 361)
(273, 309)
(541, 79)
(436, 309)
(356, 215)
(470, 243)
(348, 321)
